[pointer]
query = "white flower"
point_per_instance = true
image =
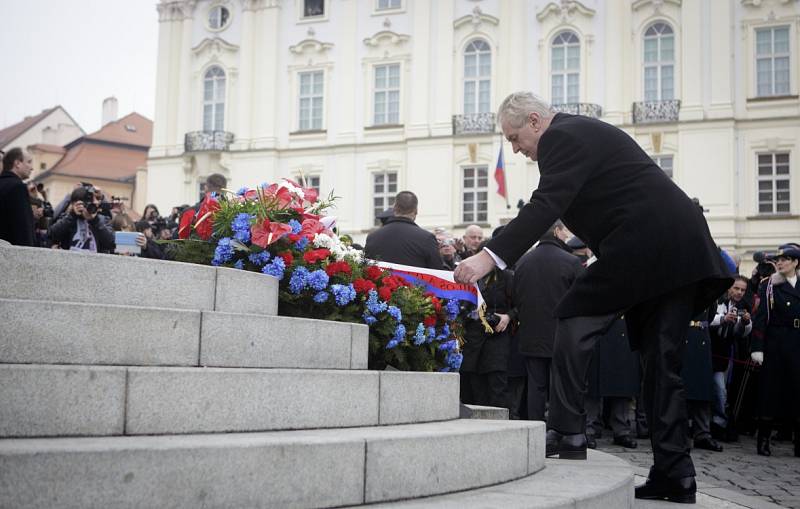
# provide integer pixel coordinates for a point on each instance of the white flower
(322, 240)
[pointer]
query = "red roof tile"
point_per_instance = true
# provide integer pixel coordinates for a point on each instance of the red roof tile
(95, 160)
(132, 129)
(13, 131)
(44, 147)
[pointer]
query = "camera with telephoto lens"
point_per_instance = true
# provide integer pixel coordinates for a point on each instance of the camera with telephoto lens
(492, 319)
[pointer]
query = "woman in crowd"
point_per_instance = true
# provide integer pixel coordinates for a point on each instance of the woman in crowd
(776, 346)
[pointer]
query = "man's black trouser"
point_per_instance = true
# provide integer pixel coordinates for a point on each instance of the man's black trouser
(660, 324)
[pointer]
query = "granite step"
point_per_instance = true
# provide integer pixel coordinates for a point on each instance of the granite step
(46, 332)
(55, 400)
(69, 276)
(297, 469)
(601, 482)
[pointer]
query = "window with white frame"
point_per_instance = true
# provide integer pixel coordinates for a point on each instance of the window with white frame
(310, 182)
(218, 17)
(565, 62)
(665, 163)
(214, 99)
(388, 5)
(313, 8)
(384, 189)
(773, 183)
(659, 62)
(387, 95)
(475, 192)
(310, 100)
(772, 61)
(477, 77)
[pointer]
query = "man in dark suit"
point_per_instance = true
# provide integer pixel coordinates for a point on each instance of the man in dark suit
(401, 241)
(541, 278)
(657, 263)
(16, 215)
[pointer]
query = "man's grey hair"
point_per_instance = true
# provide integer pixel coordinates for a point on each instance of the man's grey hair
(516, 107)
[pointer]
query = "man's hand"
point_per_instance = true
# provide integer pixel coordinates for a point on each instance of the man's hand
(141, 240)
(757, 357)
(503, 324)
(730, 316)
(746, 318)
(473, 268)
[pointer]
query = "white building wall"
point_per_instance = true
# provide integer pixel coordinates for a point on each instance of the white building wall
(714, 143)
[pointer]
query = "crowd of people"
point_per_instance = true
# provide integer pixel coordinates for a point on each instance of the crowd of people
(741, 364)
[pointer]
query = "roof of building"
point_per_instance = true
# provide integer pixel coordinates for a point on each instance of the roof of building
(132, 129)
(114, 152)
(14, 131)
(45, 147)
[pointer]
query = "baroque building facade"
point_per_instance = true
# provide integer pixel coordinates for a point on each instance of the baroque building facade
(364, 98)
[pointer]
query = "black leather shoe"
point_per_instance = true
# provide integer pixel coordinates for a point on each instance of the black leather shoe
(682, 491)
(708, 444)
(763, 446)
(626, 441)
(566, 447)
(591, 442)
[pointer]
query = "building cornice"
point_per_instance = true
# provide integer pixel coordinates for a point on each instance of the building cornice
(258, 5)
(214, 46)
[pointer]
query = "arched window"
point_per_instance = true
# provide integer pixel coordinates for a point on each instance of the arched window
(477, 77)
(565, 65)
(214, 99)
(659, 62)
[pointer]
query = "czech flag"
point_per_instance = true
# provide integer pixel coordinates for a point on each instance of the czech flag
(500, 174)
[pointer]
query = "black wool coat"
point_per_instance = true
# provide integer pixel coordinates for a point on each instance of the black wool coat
(696, 370)
(401, 241)
(541, 279)
(619, 368)
(16, 216)
(648, 236)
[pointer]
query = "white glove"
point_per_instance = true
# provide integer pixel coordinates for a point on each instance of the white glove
(757, 357)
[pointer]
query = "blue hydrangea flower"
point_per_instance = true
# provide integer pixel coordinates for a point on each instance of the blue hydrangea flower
(454, 360)
(299, 280)
(344, 294)
(391, 344)
(431, 334)
(369, 319)
(276, 268)
(301, 244)
(296, 226)
(239, 264)
(445, 332)
(241, 227)
(395, 313)
(449, 346)
(419, 335)
(452, 309)
(317, 280)
(241, 192)
(399, 333)
(259, 259)
(321, 297)
(223, 252)
(374, 305)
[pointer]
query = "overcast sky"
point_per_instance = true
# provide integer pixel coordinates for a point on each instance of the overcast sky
(76, 53)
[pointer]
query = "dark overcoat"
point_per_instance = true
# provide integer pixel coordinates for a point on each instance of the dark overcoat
(401, 241)
(776, 332)
(696, 370)
(649, 237)
(619, 368)
(541, 278)
(16, 216)
(484, 352)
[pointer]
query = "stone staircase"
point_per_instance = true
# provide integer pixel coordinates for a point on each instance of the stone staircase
(127, 382)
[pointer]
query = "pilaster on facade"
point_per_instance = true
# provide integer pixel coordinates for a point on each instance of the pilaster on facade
(257, 5)
(175, 10)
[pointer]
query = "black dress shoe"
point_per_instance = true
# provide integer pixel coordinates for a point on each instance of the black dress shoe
(626, 441)
(708, 444)
(591, 442)
(682, 491)
(566, 447)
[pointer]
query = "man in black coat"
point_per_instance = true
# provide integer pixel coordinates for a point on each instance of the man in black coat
(541, 278)
(16, 215)
(657, 263)
(401, 241)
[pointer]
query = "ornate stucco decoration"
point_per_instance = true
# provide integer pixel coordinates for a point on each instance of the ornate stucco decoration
(213, 48)
(476, 19)
(257, 5)
(176, 10)
(310, 46)
(656, 5)
(386, 38)
(565, 10)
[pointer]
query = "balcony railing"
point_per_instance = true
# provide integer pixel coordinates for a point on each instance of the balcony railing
(585, 109)
(646, 112)
(207, 141)
(473, 123)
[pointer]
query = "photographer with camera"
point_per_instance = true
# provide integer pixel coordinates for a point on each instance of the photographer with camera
(81, 228)
(16, 218)
(447, 248)
(730, 326)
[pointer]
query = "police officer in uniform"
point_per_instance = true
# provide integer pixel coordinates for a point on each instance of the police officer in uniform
(776, 346)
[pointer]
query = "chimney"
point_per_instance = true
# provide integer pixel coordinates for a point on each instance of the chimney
(110, 107)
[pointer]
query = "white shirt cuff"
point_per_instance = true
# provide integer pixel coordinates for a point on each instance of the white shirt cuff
(497, 261)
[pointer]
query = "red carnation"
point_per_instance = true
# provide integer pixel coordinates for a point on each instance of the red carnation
(364, 286)
(429, 321)
(316, 255)
(287, 257)
(373, 272)
(338, 267)
(385, 293)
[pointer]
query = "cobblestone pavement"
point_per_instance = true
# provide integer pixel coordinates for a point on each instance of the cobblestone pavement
(774, 479)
